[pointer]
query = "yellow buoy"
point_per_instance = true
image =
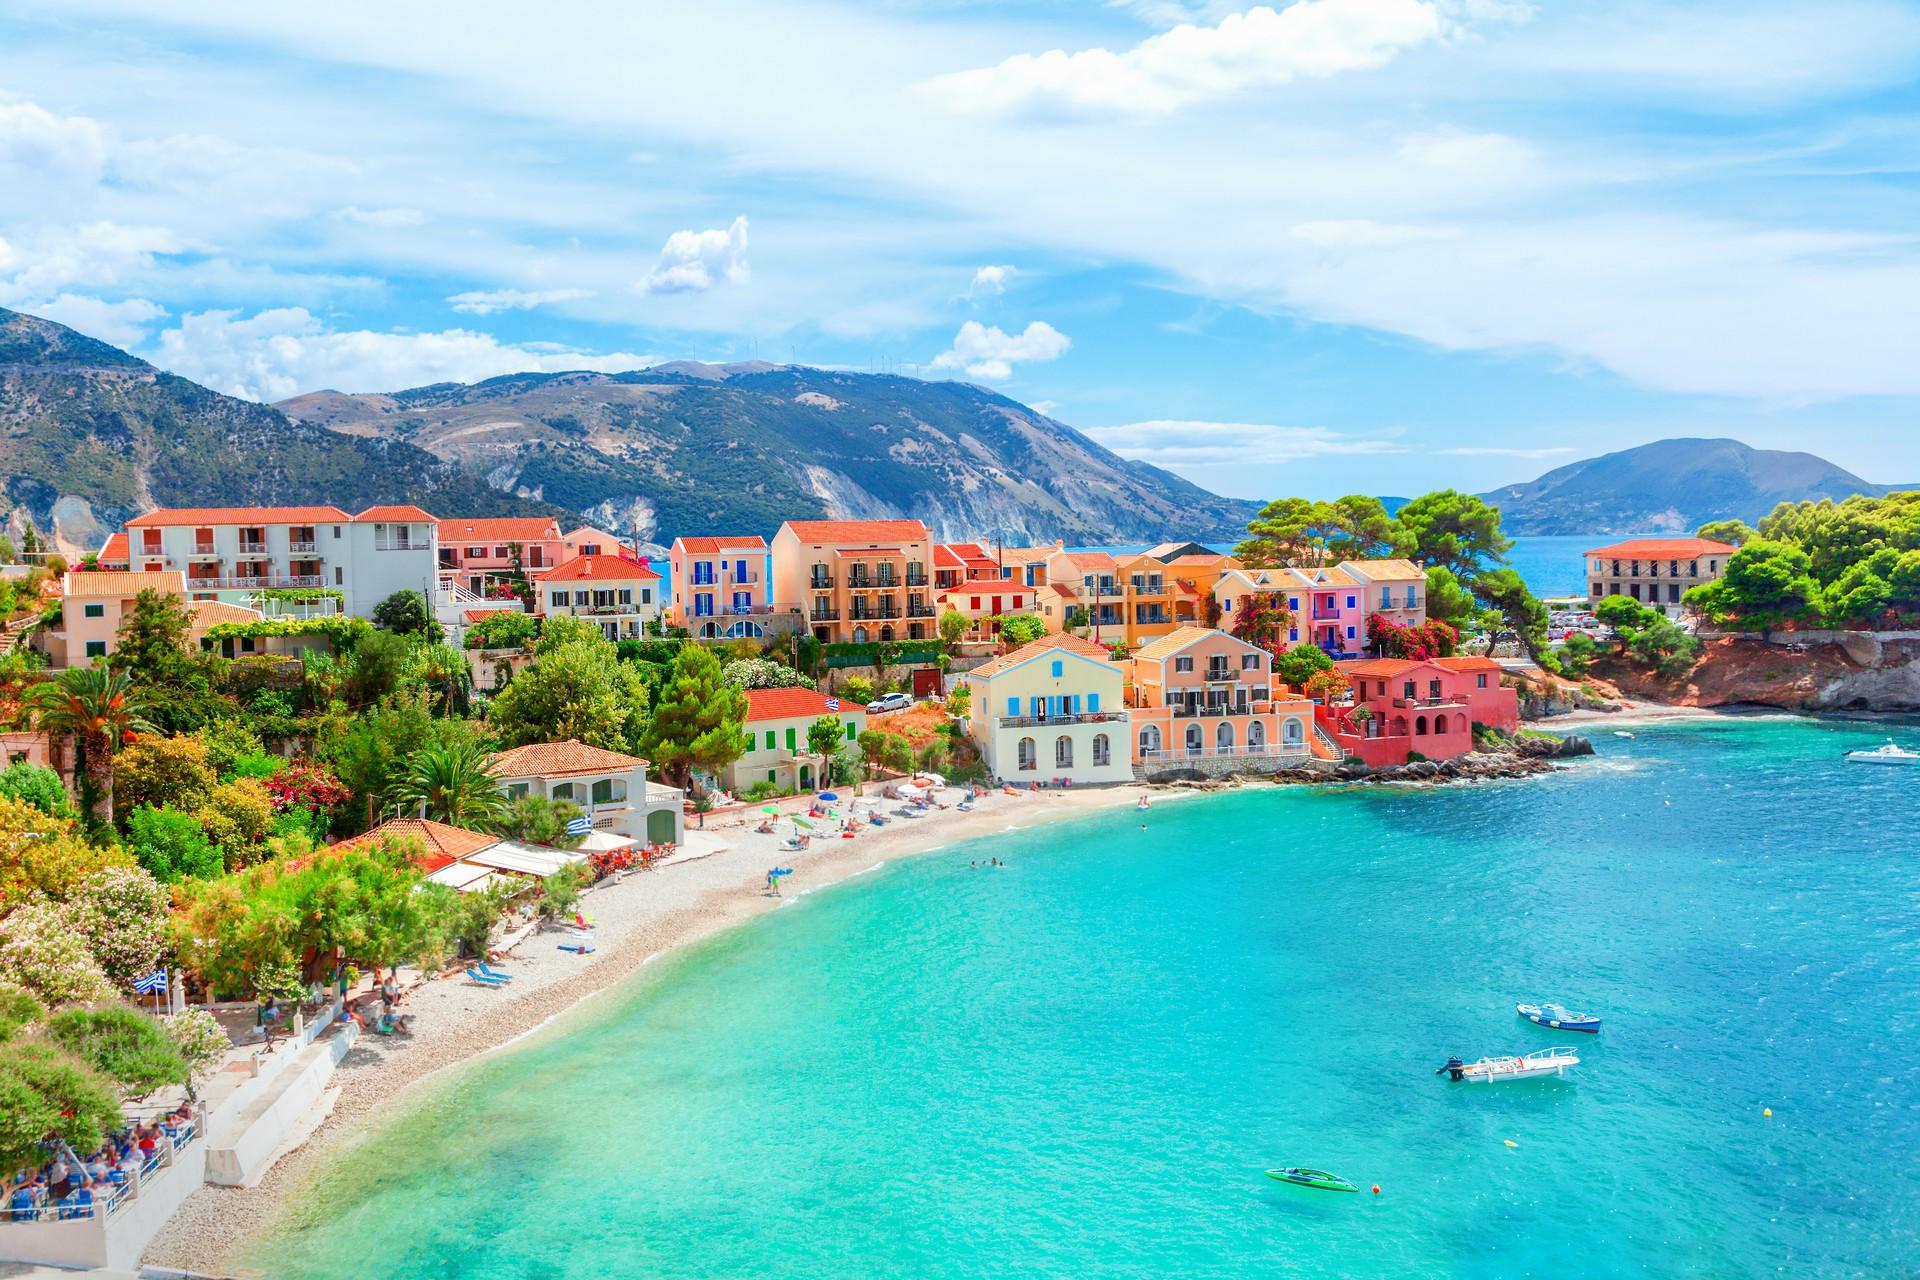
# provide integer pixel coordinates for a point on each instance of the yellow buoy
(1510, 1142)
(1766, 1111)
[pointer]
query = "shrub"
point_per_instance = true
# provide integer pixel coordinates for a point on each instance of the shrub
(41, 953)
(172, 845)
(238, 817)
(1296, 666)
(50, 1095)
(164, 773)
(759, 673)
(122, 1044)
(38, 786)
(122, 913)
(503, 630)
(197, 1037)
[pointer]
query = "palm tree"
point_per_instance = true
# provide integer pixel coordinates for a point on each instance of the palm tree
(442, 665)
(452, 784)
(102, 710)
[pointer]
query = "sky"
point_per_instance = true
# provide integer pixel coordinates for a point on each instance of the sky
(1325, 247)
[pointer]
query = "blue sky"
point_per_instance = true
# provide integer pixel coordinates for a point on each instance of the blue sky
(1377, 245)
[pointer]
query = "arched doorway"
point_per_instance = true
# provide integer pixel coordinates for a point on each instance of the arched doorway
(806, 777)
(1419, 726)
(1027, 754)
(859, 635)
(1223, 736)
(1150, 740)
(1256, 735)
(1194, 740)
(1063, 752)
(1294, 733)
(1102, 751)
(886, 632)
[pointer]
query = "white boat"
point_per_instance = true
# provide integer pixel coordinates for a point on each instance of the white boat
(1524, 1066)
(1888, 754)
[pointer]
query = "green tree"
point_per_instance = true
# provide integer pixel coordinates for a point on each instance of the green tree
(226, 742)
(238, 817)
(101, 710)
(1577, 654)
(1733, 532)
(825, 735)
(368, 752)
(1456, 531)
(537, 820)
(122, 914)
(1358, 528)
(406, 613)
(38, 786)
(164, 773)
(1284, 532)
(1017, 629)
(122, 1044)
(953, 624)
(1766, 583)
(563, 629)
(699, 719)
(153, 643)
(1626, 617)
(19, 1010)
(1665, 647)
(1449, 600)
(380, 665)
(880, 748)
(44, 855)
(453, 784)
(1507, 594)
(1297, 665)
(41, 951)
(506, 629)
(1864, 590)
(48, 1095)
(1263, 621)
(172, 845)
(442, 667)
(575, 689)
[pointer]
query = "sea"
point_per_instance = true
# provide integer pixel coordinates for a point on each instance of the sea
(1081, 1063)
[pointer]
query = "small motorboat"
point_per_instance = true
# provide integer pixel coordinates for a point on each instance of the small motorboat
(1887, 754)
(1319, 1179)
(1521, 1066)
(1557, 1017)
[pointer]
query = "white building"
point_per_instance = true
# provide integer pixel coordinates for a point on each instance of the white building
(234, 553)
(610, 787)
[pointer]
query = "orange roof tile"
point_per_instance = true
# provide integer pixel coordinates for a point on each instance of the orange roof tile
(208, 613)
(502, 529)
(599, 569)
(1656, 548)
(1469, 662)
(794, 704)
(1374, 570)
(444, 844)
(474, 615)
(724, 542)
(410, 514)
(108, 583)
(1045, 644)
(169, 517)
(859, 553)
(859, 530)
(1179, 638)
(1091, 560)
(555, 759)
(113, 550)
(1379, 668)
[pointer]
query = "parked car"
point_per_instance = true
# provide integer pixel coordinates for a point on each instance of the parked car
(890, 702)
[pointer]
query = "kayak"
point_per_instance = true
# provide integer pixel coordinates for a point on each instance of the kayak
(1317, 1178)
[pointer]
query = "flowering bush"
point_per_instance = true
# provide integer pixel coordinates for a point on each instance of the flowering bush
(1325, 686)
(605, 864)
(304, 785)
(1432, 639)
(199, 1037)
(122, 914)
(39, 951)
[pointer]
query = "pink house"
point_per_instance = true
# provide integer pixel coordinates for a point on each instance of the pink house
(1196, 692)
(1401, 707)
(720, 586)
(472, 551)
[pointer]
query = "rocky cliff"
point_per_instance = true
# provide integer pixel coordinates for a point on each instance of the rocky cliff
(1824, 671)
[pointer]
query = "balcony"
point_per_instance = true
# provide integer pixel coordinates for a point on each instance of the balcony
(916, 579)
(607, 610)
(820, 582)
(1213, 710)
(299, 546)
(398, 544)
(255, 582)
(253, 547)
(823, 613)
(203, 550)
(1449, 700)
(1325, 615)
(1264, 750)
(860, 582)
(873, 615)
(1036, 722)
(920, 611)
(746, 578)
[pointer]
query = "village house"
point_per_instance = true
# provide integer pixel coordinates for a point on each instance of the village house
(1052, 711)
(720, 587)
(610, 787)
(1657, 572)
(957, 562)
(619, 595)
(1393, 589)
(1401, 707)
(984, 601)
(92, 605)
(1198, 693)
(478, 553)
(777, 751)
(856, 581)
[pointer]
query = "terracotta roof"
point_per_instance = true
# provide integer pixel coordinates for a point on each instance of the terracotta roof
(1671, 548)
(1374, 570)
(444, 844)
(987, 588)
(725, 542)
(555, 759)
(1211, 558)
(859, 530)
(208, 613)
(794, 704)
(167, 517)
(474, 615)
(412, 515)
(502, 529)
(1091, 560)
(945, 557)
(599, 569)
(1312, 579)
(1045, 644)
(861, 553)
(106, 583)
(113, 550)
(1379, 668)
(1179, 638)
(1469, 662)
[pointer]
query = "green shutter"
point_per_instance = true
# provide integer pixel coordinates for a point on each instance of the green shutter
(793, 740)
(851, 735)
(769, 739)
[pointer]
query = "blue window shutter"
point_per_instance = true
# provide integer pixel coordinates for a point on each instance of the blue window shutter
(1093, 702)
(1349, 633)
(1059, 668)
(1013, 706)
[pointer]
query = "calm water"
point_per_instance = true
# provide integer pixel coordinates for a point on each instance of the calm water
(1079, 1066)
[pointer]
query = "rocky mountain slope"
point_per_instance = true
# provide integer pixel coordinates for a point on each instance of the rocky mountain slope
(90, 436)
(693, 448)
(1670, 486)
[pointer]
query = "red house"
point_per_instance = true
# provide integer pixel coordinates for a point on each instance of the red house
(1401, 707)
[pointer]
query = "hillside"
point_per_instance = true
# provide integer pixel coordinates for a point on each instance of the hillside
(693, 448)
(1670, 486)
(90, 436)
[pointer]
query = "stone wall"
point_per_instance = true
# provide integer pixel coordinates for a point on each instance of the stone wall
(1197, 767)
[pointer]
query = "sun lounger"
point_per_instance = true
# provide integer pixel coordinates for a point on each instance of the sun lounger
(488, 971)
(484, 980)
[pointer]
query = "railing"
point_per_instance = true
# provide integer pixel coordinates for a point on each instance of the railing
(1326, 615)
(858, 582)
(302, 544)
(820, 581)
(1266, 749)
(398, 544)
(916, 579)
(748, 577)
(254, 582)
(1039, 722)
(605, 610)
(874, 615)
(251, 547)
(919, 611)
(1450, 700)
(823, 615)
(204, 549)
(1184, 712)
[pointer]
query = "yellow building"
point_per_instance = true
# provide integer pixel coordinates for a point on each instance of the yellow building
(1052, 711)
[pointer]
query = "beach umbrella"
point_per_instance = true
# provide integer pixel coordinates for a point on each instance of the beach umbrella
(802, 822)
(828, 795)
(773, 809)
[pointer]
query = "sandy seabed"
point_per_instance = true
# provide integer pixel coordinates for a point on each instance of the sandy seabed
(636, 919)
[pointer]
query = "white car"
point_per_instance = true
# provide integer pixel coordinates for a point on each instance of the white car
(890, 702)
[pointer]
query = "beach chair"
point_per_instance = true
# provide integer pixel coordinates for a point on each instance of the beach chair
(487, 971)
(483, 980)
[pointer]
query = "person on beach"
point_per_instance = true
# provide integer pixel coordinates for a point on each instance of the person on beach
(389, 992)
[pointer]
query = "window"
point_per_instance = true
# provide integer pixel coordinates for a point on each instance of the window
(1249, 662)
(1184, 663)
(626, 595)
(1150, 740)
(1059, 668)
(610, 791)
(1293, 633)
(95, 611)
(1351, 602)
(561, 791)
(1026, 754)
(1063, 752)
(1093, 702)
(1480, 681)
(853, 731)
(517, 789)
(1013, 706)
(646, 595)
(1102, 750)
(582, 598)
(96, 648)
(559, 600)
(476, 553)
(1350, 633)
(339, 574)
(1293, 603)
(793, 740)
(769, 739)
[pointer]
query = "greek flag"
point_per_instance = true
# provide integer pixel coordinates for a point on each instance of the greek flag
(152, 984)
(833, 704)
(579, 826)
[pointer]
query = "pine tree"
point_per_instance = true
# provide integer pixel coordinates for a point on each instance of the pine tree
(698, 718)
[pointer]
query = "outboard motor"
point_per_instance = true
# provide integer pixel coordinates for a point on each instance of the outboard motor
(1455, 1069)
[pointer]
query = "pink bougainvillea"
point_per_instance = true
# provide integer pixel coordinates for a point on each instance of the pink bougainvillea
(302, 785)
(1432, 639)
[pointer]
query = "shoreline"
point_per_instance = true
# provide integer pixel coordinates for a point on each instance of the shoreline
(639, 919)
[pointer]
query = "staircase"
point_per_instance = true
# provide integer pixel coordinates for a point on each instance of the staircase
(1323, 746)
(13, 632)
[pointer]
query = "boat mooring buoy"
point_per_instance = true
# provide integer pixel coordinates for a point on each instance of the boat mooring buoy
(1767, 1112)
(1376, 1188)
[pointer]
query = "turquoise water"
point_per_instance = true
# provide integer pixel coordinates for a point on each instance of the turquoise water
(1079, 1065)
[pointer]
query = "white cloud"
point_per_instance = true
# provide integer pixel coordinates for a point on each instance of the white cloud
(124, 324)
(990, 353)
(1177, 443)
(1365, 233)
(51, 260)
(399, 216)
(990, 281)
(1491, 451)
(695, 261)
(283, 352)
(1472, 154)
(484, 302)
(1310, 38)
(39, 145)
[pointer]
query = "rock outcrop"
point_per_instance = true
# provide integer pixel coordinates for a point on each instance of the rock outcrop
(1825, 671)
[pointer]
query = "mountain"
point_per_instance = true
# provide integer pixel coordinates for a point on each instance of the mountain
(698, 448)
(1671, 486)
(90, 436)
